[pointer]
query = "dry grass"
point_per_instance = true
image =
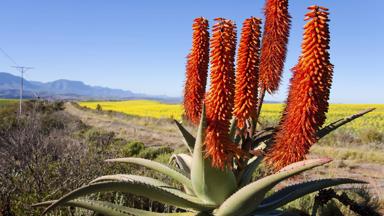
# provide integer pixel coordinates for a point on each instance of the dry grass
(357, 154)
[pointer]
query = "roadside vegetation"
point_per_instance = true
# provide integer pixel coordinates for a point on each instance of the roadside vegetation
(48, 152)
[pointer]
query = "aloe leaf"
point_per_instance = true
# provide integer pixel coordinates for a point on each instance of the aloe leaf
(264, 135)
(157, 167)
(210, 184)
(125, 177)
(110, 209)
(158, 192)
(268, 134)
(189, 140)
(264, 131)
(300, 164)
(232, 128)
(248, 198)
(290, 193)
(334, 125)
(183, 161)
(143, 179)
(253, 163)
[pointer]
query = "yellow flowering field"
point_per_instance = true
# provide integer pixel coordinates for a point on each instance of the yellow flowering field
(270, 112)
(374, 119)
(145, 108)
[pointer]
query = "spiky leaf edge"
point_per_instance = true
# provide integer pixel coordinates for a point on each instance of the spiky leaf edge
(248, 198)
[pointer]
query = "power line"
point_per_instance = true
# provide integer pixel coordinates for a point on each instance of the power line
(8, 56)
(22, 70)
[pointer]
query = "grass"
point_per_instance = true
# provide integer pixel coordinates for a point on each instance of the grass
(356, 154)
(7, 101)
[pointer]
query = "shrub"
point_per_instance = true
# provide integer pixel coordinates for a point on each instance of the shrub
(132, 148)
(99, 108)
(152, 153)
(99, 140)
(371, 135)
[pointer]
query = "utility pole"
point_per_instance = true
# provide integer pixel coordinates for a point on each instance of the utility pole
(22, 70)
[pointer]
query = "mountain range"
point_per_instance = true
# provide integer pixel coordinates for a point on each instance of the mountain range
(69, 89)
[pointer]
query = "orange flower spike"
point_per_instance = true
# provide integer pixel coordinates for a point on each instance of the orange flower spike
(274, 44)
(308, 96)
(197, 70)
(247, 71)
(219, 100)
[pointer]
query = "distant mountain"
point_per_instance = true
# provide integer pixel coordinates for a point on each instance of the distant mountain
(68, 89)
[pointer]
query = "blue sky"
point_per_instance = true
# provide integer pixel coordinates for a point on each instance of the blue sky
(141, 45)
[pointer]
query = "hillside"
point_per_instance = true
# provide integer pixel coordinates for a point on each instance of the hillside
(68, 89)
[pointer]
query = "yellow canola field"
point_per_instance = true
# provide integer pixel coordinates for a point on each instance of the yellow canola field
(144, 108)
(374, 119)
(270, 112)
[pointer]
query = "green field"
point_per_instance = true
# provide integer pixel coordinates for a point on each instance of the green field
(7, 101)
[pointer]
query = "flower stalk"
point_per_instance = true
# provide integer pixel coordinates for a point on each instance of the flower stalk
(196, 71)
(247, 71)
(274, 44)
(308, 96)
(220, 98)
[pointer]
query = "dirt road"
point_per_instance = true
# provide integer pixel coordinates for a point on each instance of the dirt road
(150, 131)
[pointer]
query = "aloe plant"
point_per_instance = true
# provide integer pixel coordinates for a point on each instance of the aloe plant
(217, 172)
(207, 190)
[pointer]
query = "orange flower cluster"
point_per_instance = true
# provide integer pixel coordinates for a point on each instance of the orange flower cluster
(308, 96)
(219, 100)
(247, 71)
(197, 70)
(274, 44)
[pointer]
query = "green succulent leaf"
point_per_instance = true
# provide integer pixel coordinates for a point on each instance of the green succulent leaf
(110, 209)
(248, 198)
(301, 164)
(125, 177)
(336, 124)
(290, 193)
(183, 161)
(146, 187)
(232, 128)
(164, 169)
(266, 135)
(189, 140)
(209, 184)
(253, 163)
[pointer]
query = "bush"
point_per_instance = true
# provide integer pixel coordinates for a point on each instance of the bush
(8, 115)
(132, 149)
(48, 153)
(371, 135)
(40, 154)
(153, 152)
(99, 140)
(99, 108)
